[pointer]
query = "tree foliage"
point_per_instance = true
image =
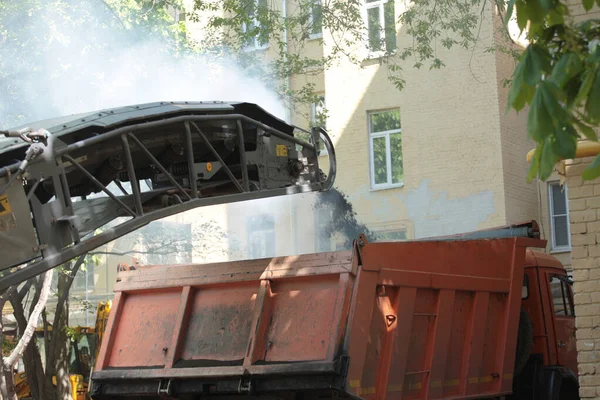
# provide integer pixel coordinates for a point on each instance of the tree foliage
(241, 26)
(45, 43)
(558, 77)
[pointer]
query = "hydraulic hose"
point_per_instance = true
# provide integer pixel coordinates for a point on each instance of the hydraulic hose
(328, 183)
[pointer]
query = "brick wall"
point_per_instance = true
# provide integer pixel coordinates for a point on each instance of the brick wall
(584, 206)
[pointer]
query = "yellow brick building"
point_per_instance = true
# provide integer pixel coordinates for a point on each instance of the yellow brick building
(439, 157)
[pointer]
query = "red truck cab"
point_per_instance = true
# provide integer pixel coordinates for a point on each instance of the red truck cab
(548, 353)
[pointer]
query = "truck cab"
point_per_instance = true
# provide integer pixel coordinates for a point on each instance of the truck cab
(546, 359)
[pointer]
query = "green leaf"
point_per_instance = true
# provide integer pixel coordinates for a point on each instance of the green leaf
(539, 123)
(547, 160)
(592, 105)
(565, 144)
(535, 163)
(548, 4)
(555, 18)
(535, 11)
(588, 4)
(567, 67)
(551, 96)
(587, 131)
(586, 86)
(509, 10)
(593, 171)
(522, 15)
(537, 61)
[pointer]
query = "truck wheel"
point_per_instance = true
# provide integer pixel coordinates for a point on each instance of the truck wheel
(524, 342)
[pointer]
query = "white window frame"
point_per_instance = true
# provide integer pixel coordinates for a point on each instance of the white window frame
(313, 119)
(555, 248)
(255, 45)
(313, 35)
(381, 5)
(388, 155)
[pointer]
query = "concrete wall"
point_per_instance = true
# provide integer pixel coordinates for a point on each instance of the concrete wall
(584, 202)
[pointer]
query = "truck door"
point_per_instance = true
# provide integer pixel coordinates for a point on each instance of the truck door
(564, 320)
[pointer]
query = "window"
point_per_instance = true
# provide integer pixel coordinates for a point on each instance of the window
(261, 236)
(315, 19)
(381, 25)
(391, 236)
(254, 8)
(559, 217)
(385, 143)
(318, 117)
(323, 237)
(561, 296)
(179, 16)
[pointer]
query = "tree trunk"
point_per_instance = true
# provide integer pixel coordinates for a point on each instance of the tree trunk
(3, 385)
(9, 362)
(31, 358)
(58, 358)
(60, 340)
(7, 381)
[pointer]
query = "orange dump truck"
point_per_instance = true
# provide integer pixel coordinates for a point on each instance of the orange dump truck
(466, 317)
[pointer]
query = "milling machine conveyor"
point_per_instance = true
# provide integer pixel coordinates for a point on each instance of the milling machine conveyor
(121, 168)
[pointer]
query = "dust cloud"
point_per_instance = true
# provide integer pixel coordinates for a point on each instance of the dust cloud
(52, 64)
(60, 59)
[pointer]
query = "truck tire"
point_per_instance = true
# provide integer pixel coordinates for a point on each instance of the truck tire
(524, 342)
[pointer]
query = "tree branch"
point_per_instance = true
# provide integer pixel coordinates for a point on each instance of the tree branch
(25, 289)
(63, 296)
(33, 319)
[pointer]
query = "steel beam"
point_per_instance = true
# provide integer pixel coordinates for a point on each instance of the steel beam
(88, 244)
(216, 154)
(168, 121)
(243, 158)
(190, 160)
(135, 188)
(99, 185)
(159, 165)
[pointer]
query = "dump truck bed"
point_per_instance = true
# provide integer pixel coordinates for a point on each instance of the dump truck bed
(390, 320)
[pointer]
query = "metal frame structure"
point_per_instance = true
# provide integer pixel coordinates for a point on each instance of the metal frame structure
(194, 154)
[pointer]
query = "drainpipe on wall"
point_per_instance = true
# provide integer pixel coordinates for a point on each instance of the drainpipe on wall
(288, 108)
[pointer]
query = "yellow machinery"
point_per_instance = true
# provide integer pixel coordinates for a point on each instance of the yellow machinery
(82, 355)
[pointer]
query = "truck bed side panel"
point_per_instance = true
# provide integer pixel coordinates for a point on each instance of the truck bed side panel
(406, 320)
